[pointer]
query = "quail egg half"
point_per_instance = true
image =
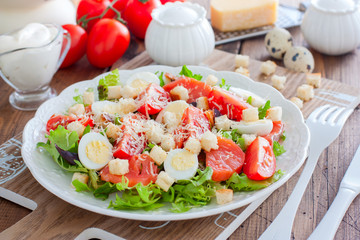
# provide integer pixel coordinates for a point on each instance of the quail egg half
(277, 42)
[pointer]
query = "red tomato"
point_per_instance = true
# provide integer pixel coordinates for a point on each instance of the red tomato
(86, 121)
(137, 14)
(141, 169)
(227, 103)
(108, 41)
(166, 1)
(56, 120)
(92, 8)
(119, 5)
(153, 99)
(226, 160)
(78, 44)
(132, 142)
(196, 88)
(260, 161)
(276, 132)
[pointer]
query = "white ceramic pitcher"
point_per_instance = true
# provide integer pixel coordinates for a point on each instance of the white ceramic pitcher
(332, 26)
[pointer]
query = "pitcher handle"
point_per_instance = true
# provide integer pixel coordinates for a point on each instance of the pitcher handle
(65, 50)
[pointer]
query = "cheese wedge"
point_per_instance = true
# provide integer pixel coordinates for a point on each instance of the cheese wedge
(232, 15)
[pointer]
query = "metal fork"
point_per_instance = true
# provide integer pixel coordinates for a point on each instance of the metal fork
(325, 125)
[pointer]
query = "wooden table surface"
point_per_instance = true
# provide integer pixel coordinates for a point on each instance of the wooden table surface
(327, 176)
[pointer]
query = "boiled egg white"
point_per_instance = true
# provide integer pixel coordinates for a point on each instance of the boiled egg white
(259, 128)
(256, 100)
(141, 80)
(177, 107)
(181, 164)
(100, 107)
(94, 151)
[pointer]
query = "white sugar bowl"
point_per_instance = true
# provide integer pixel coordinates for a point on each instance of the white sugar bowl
(179, 34)
(332, 26)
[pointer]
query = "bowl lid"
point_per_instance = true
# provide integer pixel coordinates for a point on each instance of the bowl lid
(336, 5)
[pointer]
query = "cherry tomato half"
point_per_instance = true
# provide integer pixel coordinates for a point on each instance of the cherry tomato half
(152, 100)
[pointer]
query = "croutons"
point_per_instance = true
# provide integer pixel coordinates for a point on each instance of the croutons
(128, 92)
(222, 122)
(167, 142)
(112, 131)
(313, 79)
(268, 67)
(211, 80)
(193, 145)
(170, 120)
(158, 155)
(202, 103)
(298, 102)
(77, 127)
(164, 181)
(209, 141)
(248, 139)
(243, 71)
(210, 116)
(224, 196)
(250, 114)
(179, 93)
(114, 92)
(82, 177)
(278, 82)
(77, 109)
(274, 113)
(126, 105)
(242, 61)
(88, 98)
(119, 166)
(153, 131)
(305, 92)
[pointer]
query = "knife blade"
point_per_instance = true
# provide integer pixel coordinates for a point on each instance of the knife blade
(349, 189)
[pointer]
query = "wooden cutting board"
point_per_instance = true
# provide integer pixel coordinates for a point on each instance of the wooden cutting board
(53, 218)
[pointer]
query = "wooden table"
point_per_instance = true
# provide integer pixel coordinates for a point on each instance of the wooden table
(328, 173)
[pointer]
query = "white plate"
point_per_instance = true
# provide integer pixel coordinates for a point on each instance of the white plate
(57, 181)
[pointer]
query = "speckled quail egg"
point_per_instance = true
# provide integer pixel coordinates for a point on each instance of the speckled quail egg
(181, 164)
(277, 42)
(299, 59)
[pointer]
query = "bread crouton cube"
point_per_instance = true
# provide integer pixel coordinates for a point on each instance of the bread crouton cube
(77, 109)
(211, 80)
(82, 177)
(158, 155)
(179, 93)
(250, 114)
(119, 166)
(153, 131)
(170, 120)
(278, 82)
(127, 105)
(209, 141)
(114, 92)
(193, 145)
(113, 131)
(313, 79)
(268, 67)
(248, 139)
(77, 127)
(243, 71)
(224, 196)
(88, 98)
(274, 113)
(305, 92)
(128, 92)
(297, 101)
(222, 123)
(167, 142)
(164, 181)
(202, 103)
(242, 61)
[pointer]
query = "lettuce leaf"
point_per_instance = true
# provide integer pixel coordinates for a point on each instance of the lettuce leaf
(263, 109)
(187, 73)
(112, 79)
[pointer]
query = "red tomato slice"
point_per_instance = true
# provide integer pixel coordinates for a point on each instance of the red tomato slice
(133, 142)
(226, 160)
(196, 88)
(276, 132)
(152, 100)
(260, 161)
(141, 169)
(56, 120)
(194, 123)
(227, 103)
(86, 121)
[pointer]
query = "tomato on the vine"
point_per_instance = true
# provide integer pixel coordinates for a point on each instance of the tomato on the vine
(119, 4)
(78, 44)
(137, 14)
(91, 9)
(108, 41)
